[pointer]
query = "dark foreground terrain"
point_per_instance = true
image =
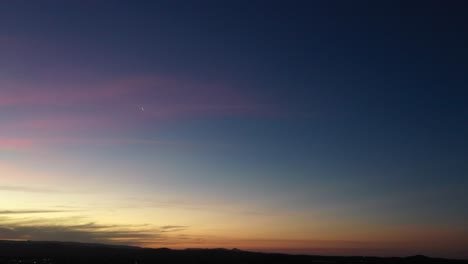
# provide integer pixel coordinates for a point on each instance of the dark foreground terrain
(65, 252)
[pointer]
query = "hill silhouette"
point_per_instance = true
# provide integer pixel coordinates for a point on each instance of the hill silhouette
(48, 252)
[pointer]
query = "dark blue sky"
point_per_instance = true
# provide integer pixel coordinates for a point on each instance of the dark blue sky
(353, 108)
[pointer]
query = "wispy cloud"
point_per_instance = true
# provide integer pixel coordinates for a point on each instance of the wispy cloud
(15, 212)
(15, 143)
(65, 229)
(16, 188)
(32, 145)
(172, 228)
(80, 233)
(73, 108)
(162, 95)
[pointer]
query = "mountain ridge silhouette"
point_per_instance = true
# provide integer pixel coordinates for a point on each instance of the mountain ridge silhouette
(76, 252)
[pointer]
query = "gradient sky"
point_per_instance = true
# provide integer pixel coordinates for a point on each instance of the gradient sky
(320, 127)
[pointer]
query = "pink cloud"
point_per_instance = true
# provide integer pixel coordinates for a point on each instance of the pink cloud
(108, 141)
(89, 89)
(15, 143)
(20, 93)
(165, 95)
(61, 123)
(70, 108)
(73, 125)
(41, 144)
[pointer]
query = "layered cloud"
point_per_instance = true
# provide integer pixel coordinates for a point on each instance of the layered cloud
(29, 189)
(17, 212)
(167, 95)
(53, 109)
(173, 228)
(16, 143)
(89, 232)
(67, 229)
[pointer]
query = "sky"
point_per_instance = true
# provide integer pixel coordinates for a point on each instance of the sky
(317, 127)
